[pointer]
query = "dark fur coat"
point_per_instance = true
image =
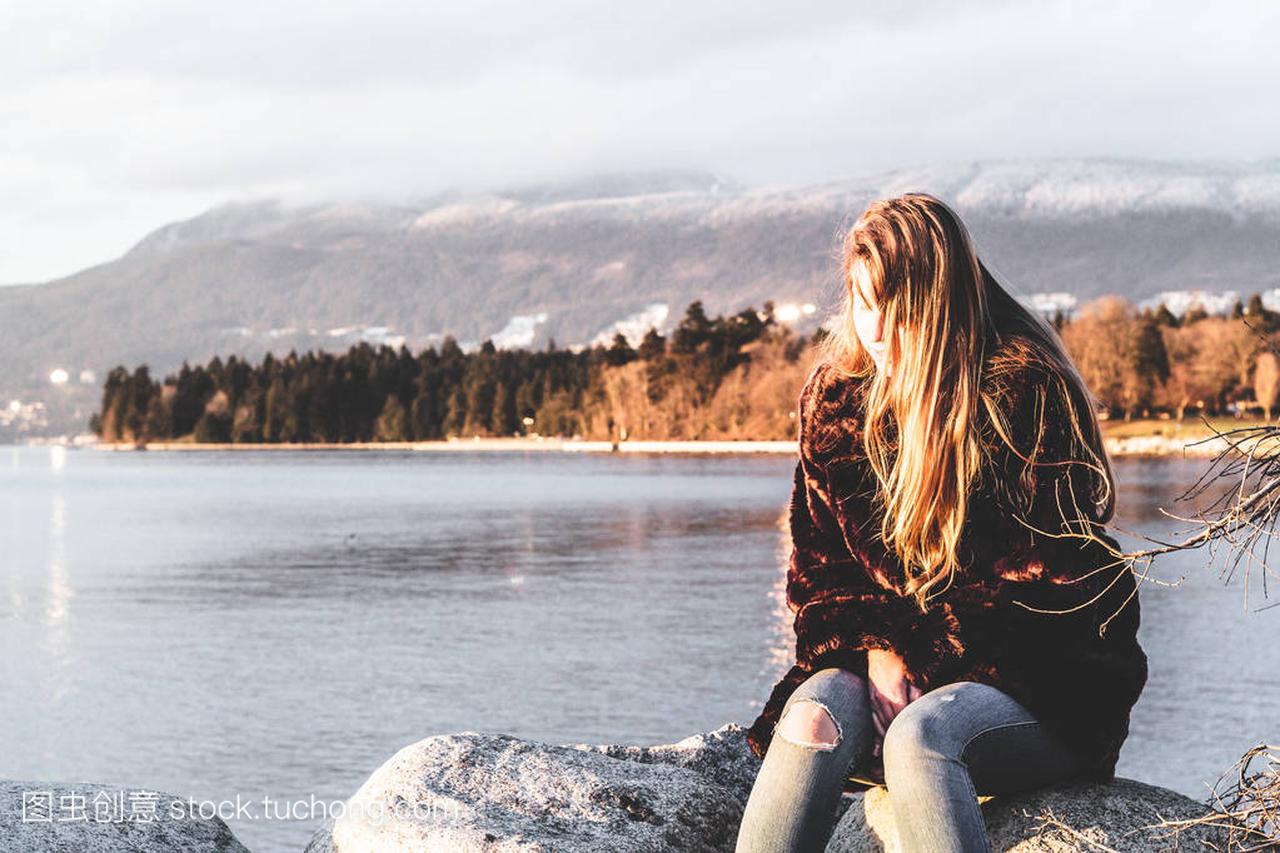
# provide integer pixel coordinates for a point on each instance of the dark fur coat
(844, 589)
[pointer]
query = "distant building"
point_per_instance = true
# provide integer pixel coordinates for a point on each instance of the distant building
(24, 417)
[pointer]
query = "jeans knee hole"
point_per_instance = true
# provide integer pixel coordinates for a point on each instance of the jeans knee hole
(825, 744)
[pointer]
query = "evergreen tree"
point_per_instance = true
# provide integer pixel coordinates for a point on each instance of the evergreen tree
(620, 352)
(1260, 317)
(246, 423)
(281, 420)
(159, 420)
(192, 391)
(503, 418)
(455, 413)
(1165, 317)
(1194, 314)
(741, 329)
(1151, 357)
(526, 402)
(654, 345)
(138, 404)
(693, 331)
(393, 422)
(424, 416)
(770, 317)
(451, 353)
(114, 390)
(211, 429)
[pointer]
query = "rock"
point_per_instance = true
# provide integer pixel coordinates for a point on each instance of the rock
(56, 817)
(1095, 817)
(476, 791)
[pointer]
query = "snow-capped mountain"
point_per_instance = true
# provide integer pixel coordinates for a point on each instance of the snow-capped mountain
(582, 261)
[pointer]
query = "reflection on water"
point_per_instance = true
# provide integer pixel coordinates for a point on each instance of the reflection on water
(279, 624)
(56, 634)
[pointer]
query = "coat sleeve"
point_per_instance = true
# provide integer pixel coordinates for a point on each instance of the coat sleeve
(843, 597)
(840, 612)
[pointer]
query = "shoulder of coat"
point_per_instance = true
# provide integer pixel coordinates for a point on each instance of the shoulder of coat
(830, 415)
(828, 382)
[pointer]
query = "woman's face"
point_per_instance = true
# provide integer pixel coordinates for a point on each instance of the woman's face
(868, 321)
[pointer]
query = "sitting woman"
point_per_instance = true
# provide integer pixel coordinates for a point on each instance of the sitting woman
(964, 624)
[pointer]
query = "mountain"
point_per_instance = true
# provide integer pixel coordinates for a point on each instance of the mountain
(579, 260)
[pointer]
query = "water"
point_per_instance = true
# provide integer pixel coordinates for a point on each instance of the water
(223, 625)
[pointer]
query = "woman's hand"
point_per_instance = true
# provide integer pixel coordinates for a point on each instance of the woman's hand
(889, 689)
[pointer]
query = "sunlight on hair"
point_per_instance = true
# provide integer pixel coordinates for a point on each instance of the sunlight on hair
(958, 345)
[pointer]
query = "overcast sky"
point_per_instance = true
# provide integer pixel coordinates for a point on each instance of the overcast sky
(117, 116)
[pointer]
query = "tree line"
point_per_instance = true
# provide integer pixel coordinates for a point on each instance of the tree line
(728, 377)
(386, 394)
(1150, 362)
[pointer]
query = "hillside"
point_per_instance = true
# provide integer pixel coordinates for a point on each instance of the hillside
(576, 262)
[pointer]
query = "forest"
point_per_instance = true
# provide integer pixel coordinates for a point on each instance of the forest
(723, 378)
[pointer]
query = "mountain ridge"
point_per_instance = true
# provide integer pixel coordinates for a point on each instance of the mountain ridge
(579, 260)
(1010, 186)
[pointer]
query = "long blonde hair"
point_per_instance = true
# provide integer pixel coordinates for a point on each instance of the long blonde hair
(944, 316)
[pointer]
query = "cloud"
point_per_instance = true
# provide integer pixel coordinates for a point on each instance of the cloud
(121, 115)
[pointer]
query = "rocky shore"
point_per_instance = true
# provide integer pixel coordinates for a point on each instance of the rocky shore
(476, 791)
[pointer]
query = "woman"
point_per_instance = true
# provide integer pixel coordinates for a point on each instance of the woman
(964, 625)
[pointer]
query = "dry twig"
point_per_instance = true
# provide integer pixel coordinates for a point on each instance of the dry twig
(1240, 495)
(1047, 820)
(1244, 804)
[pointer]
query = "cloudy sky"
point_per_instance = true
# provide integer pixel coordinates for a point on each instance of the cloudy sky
(117, 116)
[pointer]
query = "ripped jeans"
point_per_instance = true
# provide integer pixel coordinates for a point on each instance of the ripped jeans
(940, 753)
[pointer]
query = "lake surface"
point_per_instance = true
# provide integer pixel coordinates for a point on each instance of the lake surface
(278, 624)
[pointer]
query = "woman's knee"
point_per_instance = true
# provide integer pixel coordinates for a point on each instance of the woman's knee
(930, 726)
(820, 711)
(807, 722)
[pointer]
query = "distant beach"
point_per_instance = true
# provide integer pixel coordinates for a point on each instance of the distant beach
(1148, 438)
(477, 443)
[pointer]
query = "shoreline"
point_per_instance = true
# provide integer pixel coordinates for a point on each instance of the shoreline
(1118, 447)
(560, 445)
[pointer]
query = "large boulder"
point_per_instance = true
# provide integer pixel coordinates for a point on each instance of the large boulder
(475, 791)
(85, 817)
